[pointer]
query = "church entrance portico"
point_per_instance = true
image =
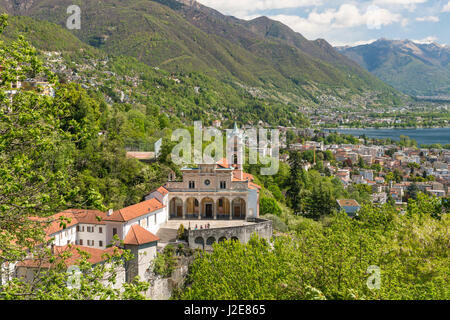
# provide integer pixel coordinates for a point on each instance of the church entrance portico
(209, 207)
(208, 211)
(176, 208)
(238, 207)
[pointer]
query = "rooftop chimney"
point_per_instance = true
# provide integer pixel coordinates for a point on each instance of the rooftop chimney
(110, 212)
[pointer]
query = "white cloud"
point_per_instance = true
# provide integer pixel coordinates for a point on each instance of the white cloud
(377, 17)
(352, 44)
(242, 8)
(428, 19)
(318, 25)
(408, 4)
(446, 8)
(426, 40)
(399, 2)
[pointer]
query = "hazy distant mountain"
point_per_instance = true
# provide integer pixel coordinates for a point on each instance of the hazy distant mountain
(414, 68)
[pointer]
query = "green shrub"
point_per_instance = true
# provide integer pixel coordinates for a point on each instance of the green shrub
(276, 192)
(180, 232)
(165, 262)
(269, 206)
(277, 222)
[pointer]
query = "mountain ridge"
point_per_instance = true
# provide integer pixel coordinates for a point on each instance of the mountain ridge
(187, 36)
(419, 69)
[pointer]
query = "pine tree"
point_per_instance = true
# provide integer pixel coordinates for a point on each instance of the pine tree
(295, 181)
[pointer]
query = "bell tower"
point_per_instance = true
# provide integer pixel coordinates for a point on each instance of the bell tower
(235, 150)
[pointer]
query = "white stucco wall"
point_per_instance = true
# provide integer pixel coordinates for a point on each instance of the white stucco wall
(109, 231)
(252, 206)
(151, 221)
(95, 236)
(65, 236)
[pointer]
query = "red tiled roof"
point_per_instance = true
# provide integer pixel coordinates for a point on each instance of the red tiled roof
(162, 190)
(89, 216)
(348, 203)
(223, 163)
(134, 211)
(140, 155)
(52, 224)
(95, 256)
(138, 235)
(245, 176)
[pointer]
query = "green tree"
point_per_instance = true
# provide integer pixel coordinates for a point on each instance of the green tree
(276, 192)
(269, 206)
(295, 182)
(39, 139)
(330, 259)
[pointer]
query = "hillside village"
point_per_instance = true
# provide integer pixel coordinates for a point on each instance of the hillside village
(398, 170)
(95, 73)
(87, 174)
(146, 228)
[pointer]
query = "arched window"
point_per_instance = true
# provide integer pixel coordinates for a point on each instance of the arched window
(235, 159)
(210, 241)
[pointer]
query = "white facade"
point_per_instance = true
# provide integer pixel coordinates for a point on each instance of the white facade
(91, 235)
(66, 236)
(150, 221)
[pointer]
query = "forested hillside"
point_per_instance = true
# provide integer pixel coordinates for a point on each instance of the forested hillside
(180, 37)
(186, 95)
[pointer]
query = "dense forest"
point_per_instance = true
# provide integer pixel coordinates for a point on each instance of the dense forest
(379, 255)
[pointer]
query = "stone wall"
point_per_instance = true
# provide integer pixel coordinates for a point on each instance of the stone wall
(162, 288)
(204, 238)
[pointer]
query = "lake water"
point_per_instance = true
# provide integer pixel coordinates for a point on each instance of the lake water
(422, 136)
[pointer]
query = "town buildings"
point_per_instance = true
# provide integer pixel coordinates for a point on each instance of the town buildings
(391, 171)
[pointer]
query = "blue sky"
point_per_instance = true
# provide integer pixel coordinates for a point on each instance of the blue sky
(347, 22)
